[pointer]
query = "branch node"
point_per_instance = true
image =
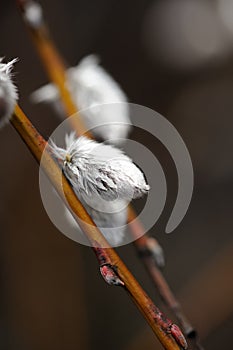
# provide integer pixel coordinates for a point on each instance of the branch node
(151, 248)
(109, 275)
(178, 336)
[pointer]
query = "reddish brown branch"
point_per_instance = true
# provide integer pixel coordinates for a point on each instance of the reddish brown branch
(148, 247)
(55, 68)
(160, 282)
(169, 334)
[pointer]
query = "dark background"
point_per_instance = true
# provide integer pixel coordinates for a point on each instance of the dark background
(176, 58)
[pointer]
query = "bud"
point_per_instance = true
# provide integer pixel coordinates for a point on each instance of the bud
(99, 170)
(156, 251)
(104, 179)
(92, 88)
(8, 92)
(110, 276)
(33, 14)
(178, 336)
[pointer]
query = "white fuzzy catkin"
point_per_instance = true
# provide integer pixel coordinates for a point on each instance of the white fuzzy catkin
(97, 169)
(104, 179)
(92, 88)
(33, 14)
(8, 92)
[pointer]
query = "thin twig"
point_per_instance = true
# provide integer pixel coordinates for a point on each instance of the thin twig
(161, 284)
(169, 334)
(147, 246)
(55, 68)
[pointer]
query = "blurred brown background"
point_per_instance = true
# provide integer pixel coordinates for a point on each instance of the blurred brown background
(175, 56)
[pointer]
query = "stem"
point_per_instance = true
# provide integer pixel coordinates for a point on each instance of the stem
(55, 68)
(161, 326)
(160, 282)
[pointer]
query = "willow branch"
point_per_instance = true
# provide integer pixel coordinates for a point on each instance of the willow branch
(55, 68)
(165, 330)
(160, 282)
(147, 247)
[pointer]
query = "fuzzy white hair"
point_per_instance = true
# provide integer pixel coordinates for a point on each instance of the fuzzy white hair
(98, 169)
(92, 89)
(104, 179)
(8, 91)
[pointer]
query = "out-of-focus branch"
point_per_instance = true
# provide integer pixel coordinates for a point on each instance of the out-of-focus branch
(215, 304)
(160, 282)
(54, 64)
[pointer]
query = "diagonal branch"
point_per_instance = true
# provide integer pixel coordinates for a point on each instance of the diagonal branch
(55, 68)
(148, 248)
(52, 61)
(168, 333)
(161, 284)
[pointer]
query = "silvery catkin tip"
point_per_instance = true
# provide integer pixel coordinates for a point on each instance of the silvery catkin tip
(100, 170)
(8, 92)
